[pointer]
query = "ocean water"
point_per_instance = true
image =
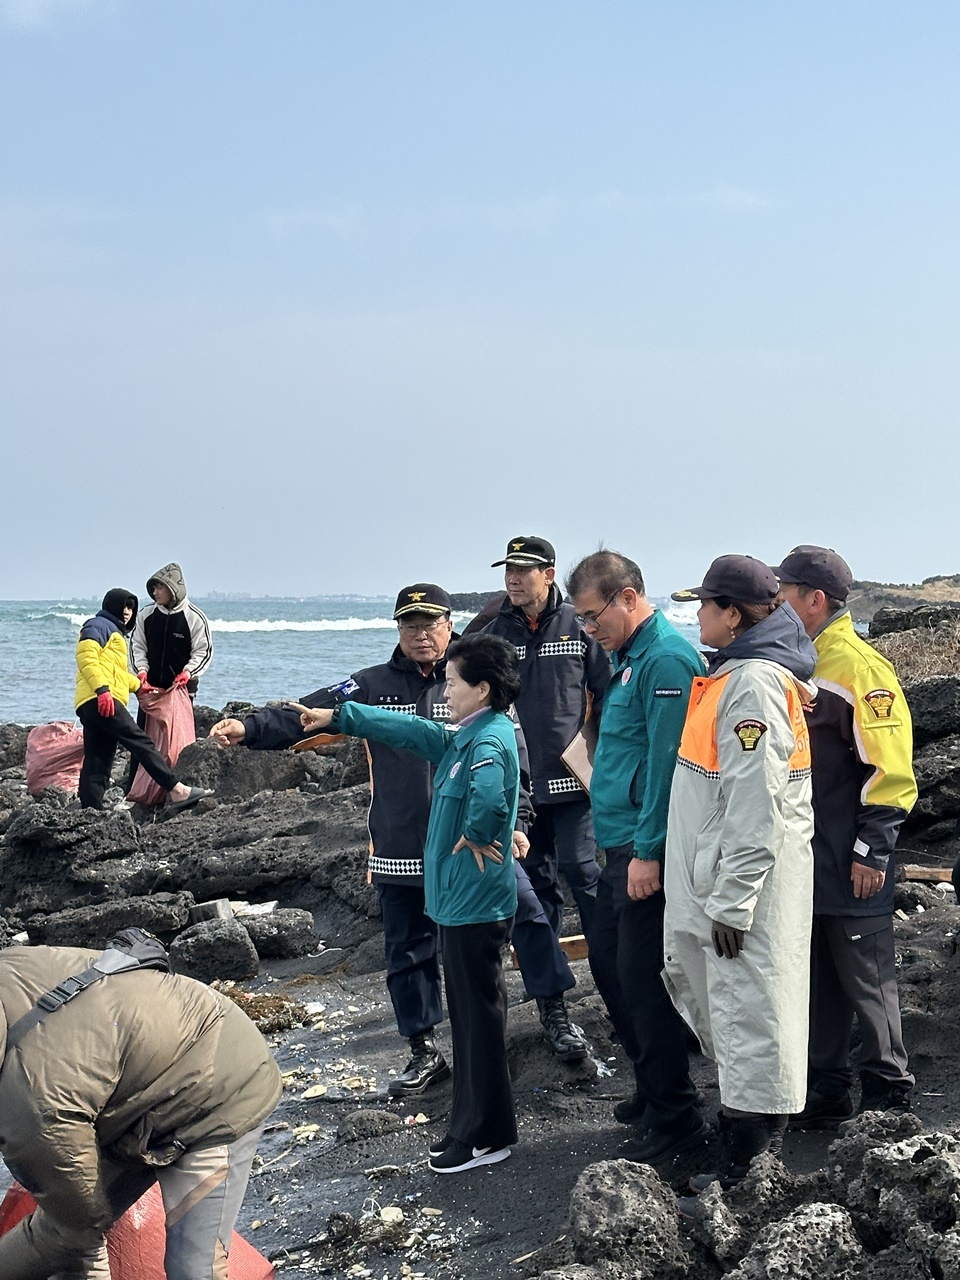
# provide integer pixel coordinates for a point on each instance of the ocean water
(264, 650)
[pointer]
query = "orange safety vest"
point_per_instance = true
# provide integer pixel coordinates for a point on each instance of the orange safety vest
(698, 743)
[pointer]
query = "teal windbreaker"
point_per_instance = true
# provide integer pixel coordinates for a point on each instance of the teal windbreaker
(643, 714)
(475, 791)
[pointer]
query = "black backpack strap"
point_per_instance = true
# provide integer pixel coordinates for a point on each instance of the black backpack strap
(130, 949)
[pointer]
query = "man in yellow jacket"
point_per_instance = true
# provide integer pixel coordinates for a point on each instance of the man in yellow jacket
(138, 1076)
(861, 739)
(104, 685)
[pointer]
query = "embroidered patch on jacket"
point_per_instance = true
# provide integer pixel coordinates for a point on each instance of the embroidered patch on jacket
(481, 763)
(456, 768)
(880, 702)
(627, 675)
(345, 688)
(749, 732)
(667, 693)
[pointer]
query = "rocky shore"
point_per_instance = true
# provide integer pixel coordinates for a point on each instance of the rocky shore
(341, 1186)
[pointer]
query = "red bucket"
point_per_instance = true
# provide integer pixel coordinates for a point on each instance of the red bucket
(136, 1242)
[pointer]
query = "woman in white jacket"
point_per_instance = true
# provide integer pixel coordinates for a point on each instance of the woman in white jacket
(738, 869)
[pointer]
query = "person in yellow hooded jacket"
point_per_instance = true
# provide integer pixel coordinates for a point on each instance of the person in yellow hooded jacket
(738, 870)
(104, 685)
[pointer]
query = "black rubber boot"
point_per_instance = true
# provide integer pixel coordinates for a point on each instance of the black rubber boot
(742, 1137)
(557, 1031)
(427, 1066)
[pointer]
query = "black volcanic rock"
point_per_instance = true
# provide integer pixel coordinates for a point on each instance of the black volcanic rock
(935, 708)
(215, 949)
(160, 913)
(922, 615)
(281, 935)
(13, 746)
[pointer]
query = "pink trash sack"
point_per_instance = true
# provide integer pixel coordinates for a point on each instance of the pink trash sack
(54, 756)
(136, 1242)
(170, 724)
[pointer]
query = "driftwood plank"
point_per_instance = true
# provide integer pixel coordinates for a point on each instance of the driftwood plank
(575, 947)
(929, 874)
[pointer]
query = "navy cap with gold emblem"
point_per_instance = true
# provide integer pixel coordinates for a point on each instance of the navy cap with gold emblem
(530, 552)
(422, 597)
(742, 578)
(817, 567)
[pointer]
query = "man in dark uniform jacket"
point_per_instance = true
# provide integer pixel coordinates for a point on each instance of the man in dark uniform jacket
(565, 674)
(412, 683)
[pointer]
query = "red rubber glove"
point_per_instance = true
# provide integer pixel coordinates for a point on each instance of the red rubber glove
(181, 680)
(142, 677)
(105, 703)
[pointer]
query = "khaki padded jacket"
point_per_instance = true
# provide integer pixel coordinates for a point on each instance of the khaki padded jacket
(141, 1066)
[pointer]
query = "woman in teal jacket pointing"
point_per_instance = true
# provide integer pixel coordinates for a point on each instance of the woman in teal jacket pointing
(469, 883)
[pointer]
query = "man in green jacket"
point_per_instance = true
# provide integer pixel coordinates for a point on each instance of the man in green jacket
(141, 1076)
(644, 710)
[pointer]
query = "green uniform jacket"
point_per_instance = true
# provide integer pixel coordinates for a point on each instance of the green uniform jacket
(475, 792)
(139, 1067)
(643, 714)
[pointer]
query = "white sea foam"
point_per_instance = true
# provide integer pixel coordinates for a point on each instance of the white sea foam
(312, 624)
(682, 614)
(272, 624)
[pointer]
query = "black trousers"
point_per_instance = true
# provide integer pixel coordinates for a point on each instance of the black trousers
(561, 840)
(413, 969)
(626, 959)
(482, 1111)
(853, 974)
(101, 737)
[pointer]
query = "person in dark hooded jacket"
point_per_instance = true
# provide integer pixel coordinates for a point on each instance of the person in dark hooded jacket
(104, 685)
(738, 869)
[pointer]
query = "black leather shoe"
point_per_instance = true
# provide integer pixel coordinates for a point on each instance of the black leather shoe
(880, 1095)
(557, 1031)
(427, 1066)
(822, 1112)
(630, 1110)
(650, 1146)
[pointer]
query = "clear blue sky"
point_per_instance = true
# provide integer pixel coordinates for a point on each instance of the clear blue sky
(335, 296)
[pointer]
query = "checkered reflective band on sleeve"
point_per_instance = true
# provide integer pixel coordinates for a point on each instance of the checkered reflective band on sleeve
(394, 866)
(563, 649)
(440, 711)
(405, 709)
(560, 786)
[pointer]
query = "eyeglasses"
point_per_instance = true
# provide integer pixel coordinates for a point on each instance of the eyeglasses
(591, 619)
(414, 628)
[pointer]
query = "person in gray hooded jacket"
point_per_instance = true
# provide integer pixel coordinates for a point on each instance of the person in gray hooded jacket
(172, 643)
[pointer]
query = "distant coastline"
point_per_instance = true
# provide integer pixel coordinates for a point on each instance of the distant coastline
(867, 597)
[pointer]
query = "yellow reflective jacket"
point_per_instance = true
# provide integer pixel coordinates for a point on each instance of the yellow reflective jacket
(863, 782)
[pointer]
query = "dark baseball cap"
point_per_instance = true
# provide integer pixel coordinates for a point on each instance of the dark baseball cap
(818, 567)
(422, 597)
(530, 552)
(742, 578)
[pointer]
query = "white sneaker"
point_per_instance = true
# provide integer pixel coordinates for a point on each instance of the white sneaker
(459, 1157)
